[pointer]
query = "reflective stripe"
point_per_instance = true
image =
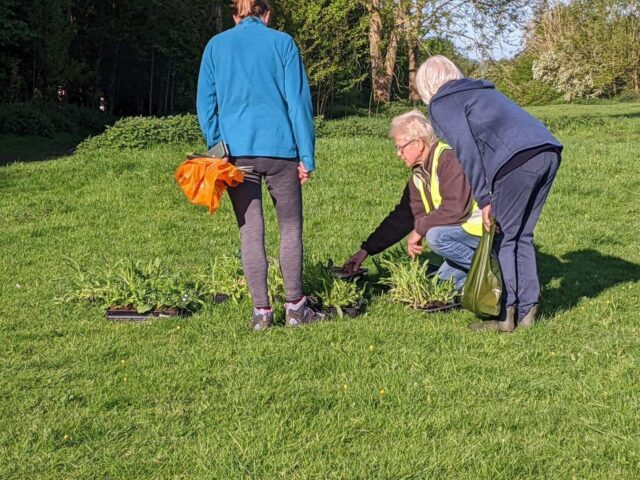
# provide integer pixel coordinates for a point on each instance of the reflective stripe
(473, 225)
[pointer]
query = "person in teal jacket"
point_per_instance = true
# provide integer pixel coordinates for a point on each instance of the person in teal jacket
(254, 96)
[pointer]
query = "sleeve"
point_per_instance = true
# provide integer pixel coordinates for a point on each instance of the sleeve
(397, 225)
(206, 100)
(298, 97)
(452, 125)
(456, 197)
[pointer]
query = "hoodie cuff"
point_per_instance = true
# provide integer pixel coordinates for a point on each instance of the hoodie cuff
(483, 201)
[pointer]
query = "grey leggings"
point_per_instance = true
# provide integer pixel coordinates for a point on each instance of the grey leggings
(283, 184)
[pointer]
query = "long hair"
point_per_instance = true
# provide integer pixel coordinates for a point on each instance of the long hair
(250, 8)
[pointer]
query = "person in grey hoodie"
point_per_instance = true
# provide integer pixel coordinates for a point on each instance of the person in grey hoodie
(511, 160)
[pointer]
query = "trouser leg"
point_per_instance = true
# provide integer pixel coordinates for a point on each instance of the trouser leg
(286, 193)
(516, 204)
(457, 247)
(247, 206)
(545, 169)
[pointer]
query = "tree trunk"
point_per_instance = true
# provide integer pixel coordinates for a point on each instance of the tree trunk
(382, 63)
(414, 33)
(218, 14)
(375, 40)
(153, 64)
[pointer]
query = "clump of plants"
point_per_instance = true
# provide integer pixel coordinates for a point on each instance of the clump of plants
(224, 277)
(333, 294)
(409, 282)
(147, 287)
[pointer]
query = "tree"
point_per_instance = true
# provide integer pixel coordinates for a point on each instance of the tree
(482, 21)
(588, 48)
(331, 37)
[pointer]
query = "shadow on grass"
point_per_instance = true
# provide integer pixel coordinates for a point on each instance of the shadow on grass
(15, 148)
(580, 274)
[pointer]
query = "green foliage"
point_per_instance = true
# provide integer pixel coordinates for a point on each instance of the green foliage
(86, 398)
(224, 276)
(514, 78)
(47, 119)
(146, 132)
(329, 291)
(332, 38)
(588, 48)
(377, 126)
(149, 286)
(410, 283)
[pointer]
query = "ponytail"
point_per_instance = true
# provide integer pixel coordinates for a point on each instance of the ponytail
(250, 8)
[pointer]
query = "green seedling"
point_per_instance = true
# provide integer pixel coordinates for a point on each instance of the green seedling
(409, 284)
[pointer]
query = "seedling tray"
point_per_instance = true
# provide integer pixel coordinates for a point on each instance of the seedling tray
(439, 308)
(132, 315)
(342, 274)
(346, 311)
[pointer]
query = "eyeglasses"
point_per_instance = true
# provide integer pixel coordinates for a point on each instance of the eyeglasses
(400, 149)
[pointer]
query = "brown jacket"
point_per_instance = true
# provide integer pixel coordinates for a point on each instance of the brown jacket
(410, 213)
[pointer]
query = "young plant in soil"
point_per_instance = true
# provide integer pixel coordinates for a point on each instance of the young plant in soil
(333, 293)
(143, 287)
(223, 279)
(408, 283)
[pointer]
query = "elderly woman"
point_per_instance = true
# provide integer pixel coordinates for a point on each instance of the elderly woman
(436, 203)
(511, 160)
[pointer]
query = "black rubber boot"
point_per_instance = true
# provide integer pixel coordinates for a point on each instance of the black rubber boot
(506, 325)
(529, 319)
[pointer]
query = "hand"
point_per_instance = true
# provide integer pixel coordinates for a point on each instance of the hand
(414, 244)
(303, 174)
(486, 217)
(353, 264)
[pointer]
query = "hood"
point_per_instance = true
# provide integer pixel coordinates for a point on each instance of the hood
(462, 85)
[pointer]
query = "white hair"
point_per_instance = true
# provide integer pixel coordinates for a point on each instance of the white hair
(433, 73)
(414, 126)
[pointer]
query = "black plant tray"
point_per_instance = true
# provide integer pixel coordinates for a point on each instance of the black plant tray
(132, 315)
(440, 308)
(128, 314)
(342, 274)
(353, 311)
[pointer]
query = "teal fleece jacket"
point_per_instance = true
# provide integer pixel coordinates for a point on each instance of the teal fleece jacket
(253, 93)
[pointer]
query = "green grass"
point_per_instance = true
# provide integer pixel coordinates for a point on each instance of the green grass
(204, 397)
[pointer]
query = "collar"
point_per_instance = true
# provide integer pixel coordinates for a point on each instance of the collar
(250, 20)
(424, 169)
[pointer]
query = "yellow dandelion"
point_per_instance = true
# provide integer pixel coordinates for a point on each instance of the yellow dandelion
(382, 392)
(371, 348)
(66, 437)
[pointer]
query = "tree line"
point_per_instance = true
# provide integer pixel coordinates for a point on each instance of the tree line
(141, 57)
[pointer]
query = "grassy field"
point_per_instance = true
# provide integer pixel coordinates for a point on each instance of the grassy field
(391, 394)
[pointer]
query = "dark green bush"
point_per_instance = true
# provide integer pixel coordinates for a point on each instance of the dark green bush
(145, 132)
(18, 120)
(46, 119)
(375, 126)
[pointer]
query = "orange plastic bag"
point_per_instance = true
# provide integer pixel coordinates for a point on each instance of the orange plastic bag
(205, 179)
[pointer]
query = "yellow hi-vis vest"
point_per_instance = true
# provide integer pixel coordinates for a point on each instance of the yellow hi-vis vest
(473, 225)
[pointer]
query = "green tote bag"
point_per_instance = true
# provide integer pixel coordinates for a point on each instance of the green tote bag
(482, 292)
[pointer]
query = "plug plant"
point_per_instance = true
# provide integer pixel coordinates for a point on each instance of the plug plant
(408, 283)
(330, 291)
(144, 287)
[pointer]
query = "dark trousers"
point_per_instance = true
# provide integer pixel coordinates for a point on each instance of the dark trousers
(516, 203)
